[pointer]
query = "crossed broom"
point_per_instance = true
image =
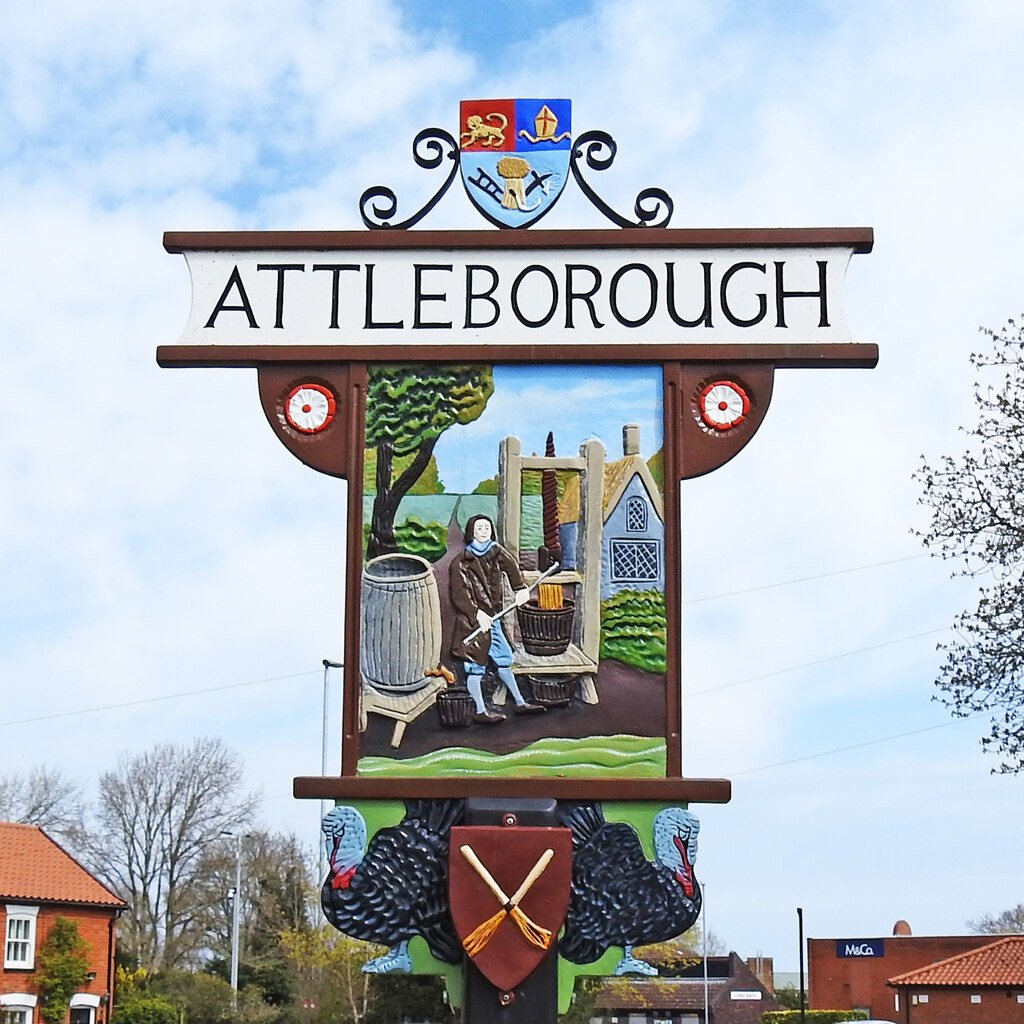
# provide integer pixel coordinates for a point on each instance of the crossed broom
(532, 932)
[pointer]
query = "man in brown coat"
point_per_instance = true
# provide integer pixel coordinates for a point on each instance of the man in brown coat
(476, 592)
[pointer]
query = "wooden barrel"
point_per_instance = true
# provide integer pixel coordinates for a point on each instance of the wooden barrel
(400, 622)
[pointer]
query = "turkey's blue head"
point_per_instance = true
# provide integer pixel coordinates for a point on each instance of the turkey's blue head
(345, 833)
(675, 844)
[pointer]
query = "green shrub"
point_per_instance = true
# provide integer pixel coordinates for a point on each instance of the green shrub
(139, 1009)
(61, 967)
(428, 540)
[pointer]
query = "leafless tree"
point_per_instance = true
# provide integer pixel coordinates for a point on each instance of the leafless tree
(157, 841)
(44, 797)
(977, 506)
(1009, 922)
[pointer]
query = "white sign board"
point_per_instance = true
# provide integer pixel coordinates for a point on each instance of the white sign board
(517, 295)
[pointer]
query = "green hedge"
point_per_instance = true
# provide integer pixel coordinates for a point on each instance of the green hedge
(633, 629)
(812, 1016)
(428, 540)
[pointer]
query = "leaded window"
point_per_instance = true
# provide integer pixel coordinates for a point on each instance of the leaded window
(636, 515)
(635, 561)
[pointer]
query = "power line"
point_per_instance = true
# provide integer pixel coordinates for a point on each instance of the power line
(299, 675)
(857, 746)
(694, 693)
(811, 664)
(153, 700)
(805, 579)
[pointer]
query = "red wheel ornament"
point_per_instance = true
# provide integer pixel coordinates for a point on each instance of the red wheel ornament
(309, 408)
(723, 405)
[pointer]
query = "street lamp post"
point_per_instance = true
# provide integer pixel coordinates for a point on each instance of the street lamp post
(323, 755)
(803, 1000)
(235, 903)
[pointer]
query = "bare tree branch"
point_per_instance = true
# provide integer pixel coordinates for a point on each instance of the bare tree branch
(159, 815)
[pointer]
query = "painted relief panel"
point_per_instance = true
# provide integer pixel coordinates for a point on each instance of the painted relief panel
(513, 581)
(614, 876)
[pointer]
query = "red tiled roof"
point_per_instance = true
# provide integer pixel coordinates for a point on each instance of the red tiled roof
(999, 963)
(33, 867)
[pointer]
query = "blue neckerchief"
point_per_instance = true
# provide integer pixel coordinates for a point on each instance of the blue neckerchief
(479, 549)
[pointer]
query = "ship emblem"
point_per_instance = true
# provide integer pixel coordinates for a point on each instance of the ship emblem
(514, 156)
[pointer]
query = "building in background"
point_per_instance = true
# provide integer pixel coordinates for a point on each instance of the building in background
(40, 882)
(854, 973)
(981, 986)
(735, 994)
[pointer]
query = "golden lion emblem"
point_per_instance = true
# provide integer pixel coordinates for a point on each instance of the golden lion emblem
(486, 134)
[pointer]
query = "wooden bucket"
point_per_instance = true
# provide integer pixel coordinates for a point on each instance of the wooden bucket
(400, 623)
(545, 631)
(455, 708)
(552, 691)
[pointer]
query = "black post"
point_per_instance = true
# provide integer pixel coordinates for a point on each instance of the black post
(535, 1001)
(803, 998)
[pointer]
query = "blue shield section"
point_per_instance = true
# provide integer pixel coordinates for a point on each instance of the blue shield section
(516, 185)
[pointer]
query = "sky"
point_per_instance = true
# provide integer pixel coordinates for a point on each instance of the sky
(530, 400)
(172, 571)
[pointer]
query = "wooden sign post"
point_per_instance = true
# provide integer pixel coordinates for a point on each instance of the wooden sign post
(514, 412)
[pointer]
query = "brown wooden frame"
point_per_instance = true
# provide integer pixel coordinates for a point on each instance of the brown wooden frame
(689, 449)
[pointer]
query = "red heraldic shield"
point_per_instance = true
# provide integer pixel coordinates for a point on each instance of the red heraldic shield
(508, 888)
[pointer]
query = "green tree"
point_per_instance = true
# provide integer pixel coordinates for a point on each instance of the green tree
(976, 502)
(408, 997)
(428, 482)
(330, 973)
(788, 997)
(61, 968)
(275, 897)
(201, 998)
(584, 996)
(407, 410)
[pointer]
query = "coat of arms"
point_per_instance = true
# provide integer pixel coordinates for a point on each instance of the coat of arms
(509, 893)
(515, 156)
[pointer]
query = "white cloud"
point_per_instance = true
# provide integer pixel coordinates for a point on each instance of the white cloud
(155, 538)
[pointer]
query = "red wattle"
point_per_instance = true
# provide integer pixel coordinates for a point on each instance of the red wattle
(342, 880)
(684, 875)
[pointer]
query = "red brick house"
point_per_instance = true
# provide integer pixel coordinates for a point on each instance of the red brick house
(40, 882)
(852, 974)
(982, 986)
(735, 995)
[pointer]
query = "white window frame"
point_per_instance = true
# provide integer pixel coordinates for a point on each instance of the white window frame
(19, 1001)
(85, 1001)
(18, 914)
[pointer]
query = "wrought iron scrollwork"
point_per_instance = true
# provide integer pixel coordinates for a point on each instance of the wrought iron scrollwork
(430, 149)
(653, 206)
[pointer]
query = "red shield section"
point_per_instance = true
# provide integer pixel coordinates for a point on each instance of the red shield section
(508, 943)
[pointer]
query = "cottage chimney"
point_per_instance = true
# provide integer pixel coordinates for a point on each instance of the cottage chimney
(631, 439)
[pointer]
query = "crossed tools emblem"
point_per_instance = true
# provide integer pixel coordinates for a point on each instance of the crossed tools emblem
(532, 932)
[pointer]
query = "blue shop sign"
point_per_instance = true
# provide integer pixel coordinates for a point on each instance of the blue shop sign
(859, 947)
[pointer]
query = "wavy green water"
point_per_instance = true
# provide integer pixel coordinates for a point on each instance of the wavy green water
(595, 757)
